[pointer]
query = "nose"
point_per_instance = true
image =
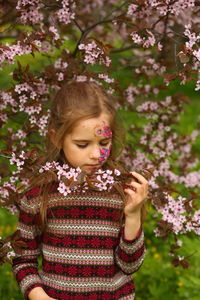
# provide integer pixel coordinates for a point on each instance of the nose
(95, 153)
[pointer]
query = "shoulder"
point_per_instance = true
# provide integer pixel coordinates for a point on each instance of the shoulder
(33, 192)
(30, 200)
(36, 191)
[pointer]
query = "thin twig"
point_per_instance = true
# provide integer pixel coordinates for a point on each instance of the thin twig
(115, 9)
(4, 156)
(79, 27)
(123, 49)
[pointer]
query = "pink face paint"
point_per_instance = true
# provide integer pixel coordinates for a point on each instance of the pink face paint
(103, 130)
(104, 154)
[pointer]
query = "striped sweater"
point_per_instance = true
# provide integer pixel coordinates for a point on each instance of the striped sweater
(84, 252)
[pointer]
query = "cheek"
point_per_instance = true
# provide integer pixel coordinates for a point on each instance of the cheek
(104, 153)
(70, 151)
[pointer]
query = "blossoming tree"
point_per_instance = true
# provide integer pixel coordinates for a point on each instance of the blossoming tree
(152, 43)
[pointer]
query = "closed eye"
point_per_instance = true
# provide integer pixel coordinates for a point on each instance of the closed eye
(84, 146)
(81, 146)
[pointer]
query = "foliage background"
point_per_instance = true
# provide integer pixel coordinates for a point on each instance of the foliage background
(157, 278)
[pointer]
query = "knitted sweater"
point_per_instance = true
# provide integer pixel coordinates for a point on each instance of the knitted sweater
(84, 252)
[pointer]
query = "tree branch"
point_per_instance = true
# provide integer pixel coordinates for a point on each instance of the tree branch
(123, 49)
(86, 31)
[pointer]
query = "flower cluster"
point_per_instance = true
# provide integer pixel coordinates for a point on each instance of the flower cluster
(23, 3)
(94, 53)
(5, 191)
(147, 42)
(29, 11)
(18, 161)
(29, 102)
(106, 78)
(174, 213)
(73, 179)
(65, 14)
(7, 53)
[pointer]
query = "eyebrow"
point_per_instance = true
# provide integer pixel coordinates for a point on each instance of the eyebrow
(86, 141)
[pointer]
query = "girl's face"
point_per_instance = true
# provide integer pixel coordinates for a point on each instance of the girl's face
(88, 145)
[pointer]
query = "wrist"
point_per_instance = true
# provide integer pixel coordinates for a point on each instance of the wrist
(135, 216)
(131, 226)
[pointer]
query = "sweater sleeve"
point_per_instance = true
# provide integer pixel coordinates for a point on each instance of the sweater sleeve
(25, 264)
(129, 254)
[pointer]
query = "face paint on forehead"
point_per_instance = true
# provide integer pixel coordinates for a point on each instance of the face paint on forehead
(103, 130)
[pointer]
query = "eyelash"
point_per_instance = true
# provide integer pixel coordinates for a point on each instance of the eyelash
(84, 146)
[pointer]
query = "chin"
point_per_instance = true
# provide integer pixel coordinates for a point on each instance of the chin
(90, 171)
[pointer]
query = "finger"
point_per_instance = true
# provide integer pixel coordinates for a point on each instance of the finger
(139, 177)
(135, 184)
(130, 188)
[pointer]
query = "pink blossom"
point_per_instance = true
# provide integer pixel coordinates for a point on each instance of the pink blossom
(131, 9)
(22, 3)
(7, 99)
(148, 105)
(31, 15)
(173, 213)
(81, 78)
(94, 54)
(192, 179)
(196, 53)
(42, 124)
(160, 46)
(3, 117)
(54, 30)
(150, 41)
(12, 209)
(60, 64)
(136, 38)
(7, 56)
(197, 88)
(60, 76)
(20, 134)
(106, 78)
(11, 254)
(23, 87)
(130, 93)
(65, 15)
(105, 178)
(18, 161)
(30, 110)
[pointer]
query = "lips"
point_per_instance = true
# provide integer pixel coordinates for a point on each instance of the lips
(93, 166)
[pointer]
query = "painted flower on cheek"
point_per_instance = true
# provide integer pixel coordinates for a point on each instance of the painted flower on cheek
(105, 131)
(104, 154)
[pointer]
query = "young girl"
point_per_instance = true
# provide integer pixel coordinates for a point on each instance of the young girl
(87, 252)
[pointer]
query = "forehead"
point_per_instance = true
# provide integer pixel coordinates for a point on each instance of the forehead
(87, 127)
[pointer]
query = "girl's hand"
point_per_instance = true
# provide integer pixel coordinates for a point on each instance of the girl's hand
(46, 297)
(43, 298)
(135, 198)
(38, 293)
